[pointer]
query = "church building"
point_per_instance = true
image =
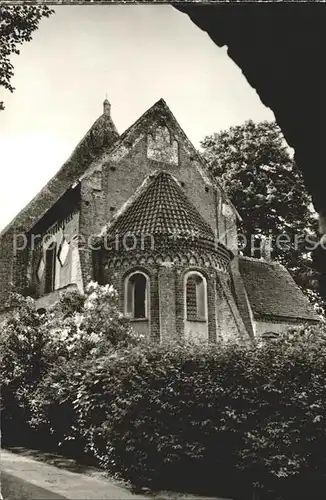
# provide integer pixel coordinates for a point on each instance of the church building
(141, 212)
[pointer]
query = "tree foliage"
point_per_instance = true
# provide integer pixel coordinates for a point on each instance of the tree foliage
(254, 166)
(17, 24)
(79, 327)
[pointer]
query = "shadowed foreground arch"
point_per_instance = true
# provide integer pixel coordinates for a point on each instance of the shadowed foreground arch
(281, 50)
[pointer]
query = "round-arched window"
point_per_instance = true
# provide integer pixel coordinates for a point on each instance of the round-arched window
(195, 297)
(137, 295)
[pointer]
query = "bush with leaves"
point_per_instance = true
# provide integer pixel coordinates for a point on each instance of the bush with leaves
(25, 358)
(32, 345)
(148, 414)
(90, 324)
(214, 420)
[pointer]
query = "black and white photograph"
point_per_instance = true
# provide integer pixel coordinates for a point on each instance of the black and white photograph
(162, 250)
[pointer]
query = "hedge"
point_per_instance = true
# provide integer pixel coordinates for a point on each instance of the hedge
(214, 419)
(210, 420)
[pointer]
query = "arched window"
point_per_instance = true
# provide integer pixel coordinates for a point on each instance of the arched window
(136, 296)
(50, 267)
(195, 297)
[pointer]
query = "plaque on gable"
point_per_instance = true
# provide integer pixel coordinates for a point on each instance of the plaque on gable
(95, 180)
(227, 211)
(162, 147)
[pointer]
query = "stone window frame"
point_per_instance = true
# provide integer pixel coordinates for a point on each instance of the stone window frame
(50, 267)
(199, 318)
(40, 264)
(127, 313)
(63, 244)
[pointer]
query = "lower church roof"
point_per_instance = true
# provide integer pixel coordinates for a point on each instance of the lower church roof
(272, 292)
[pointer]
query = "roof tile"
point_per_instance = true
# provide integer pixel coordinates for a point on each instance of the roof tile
(162, 209)
(272, 292)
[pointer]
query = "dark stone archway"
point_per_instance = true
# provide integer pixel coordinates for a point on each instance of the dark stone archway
(281, 50)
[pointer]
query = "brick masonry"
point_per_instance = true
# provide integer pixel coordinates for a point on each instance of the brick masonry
(110, 179)
(167, 279)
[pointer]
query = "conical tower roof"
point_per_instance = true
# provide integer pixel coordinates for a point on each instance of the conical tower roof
(162, 209)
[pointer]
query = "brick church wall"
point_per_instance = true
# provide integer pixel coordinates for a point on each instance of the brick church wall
(13, 263)
(167, 297)
(122, 177)
(92, 219)
(6, 265)
(209, 274)
(264, 326)
(226, 324)
(230, 324)
(66, 272)
(116, 277)
(167, 301)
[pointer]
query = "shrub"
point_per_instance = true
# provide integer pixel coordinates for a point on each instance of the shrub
(52, 413)
(23, 344)
(90, 324)
(163, 416)
(212, 419)
(34, 346)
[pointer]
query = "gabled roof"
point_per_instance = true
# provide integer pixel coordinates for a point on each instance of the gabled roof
(97, 146)
(161, 208)
(158, 113)
(161, 111)
(272, 292)
(101, 135)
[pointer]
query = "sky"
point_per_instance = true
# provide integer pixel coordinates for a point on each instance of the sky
(134, 55)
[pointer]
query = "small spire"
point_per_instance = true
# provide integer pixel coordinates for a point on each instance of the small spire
(106, 106)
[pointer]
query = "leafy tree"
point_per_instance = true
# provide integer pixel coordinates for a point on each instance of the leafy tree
(17, 24)
(90, 324)
(32, 344)
(23, 346)
(253, 164)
